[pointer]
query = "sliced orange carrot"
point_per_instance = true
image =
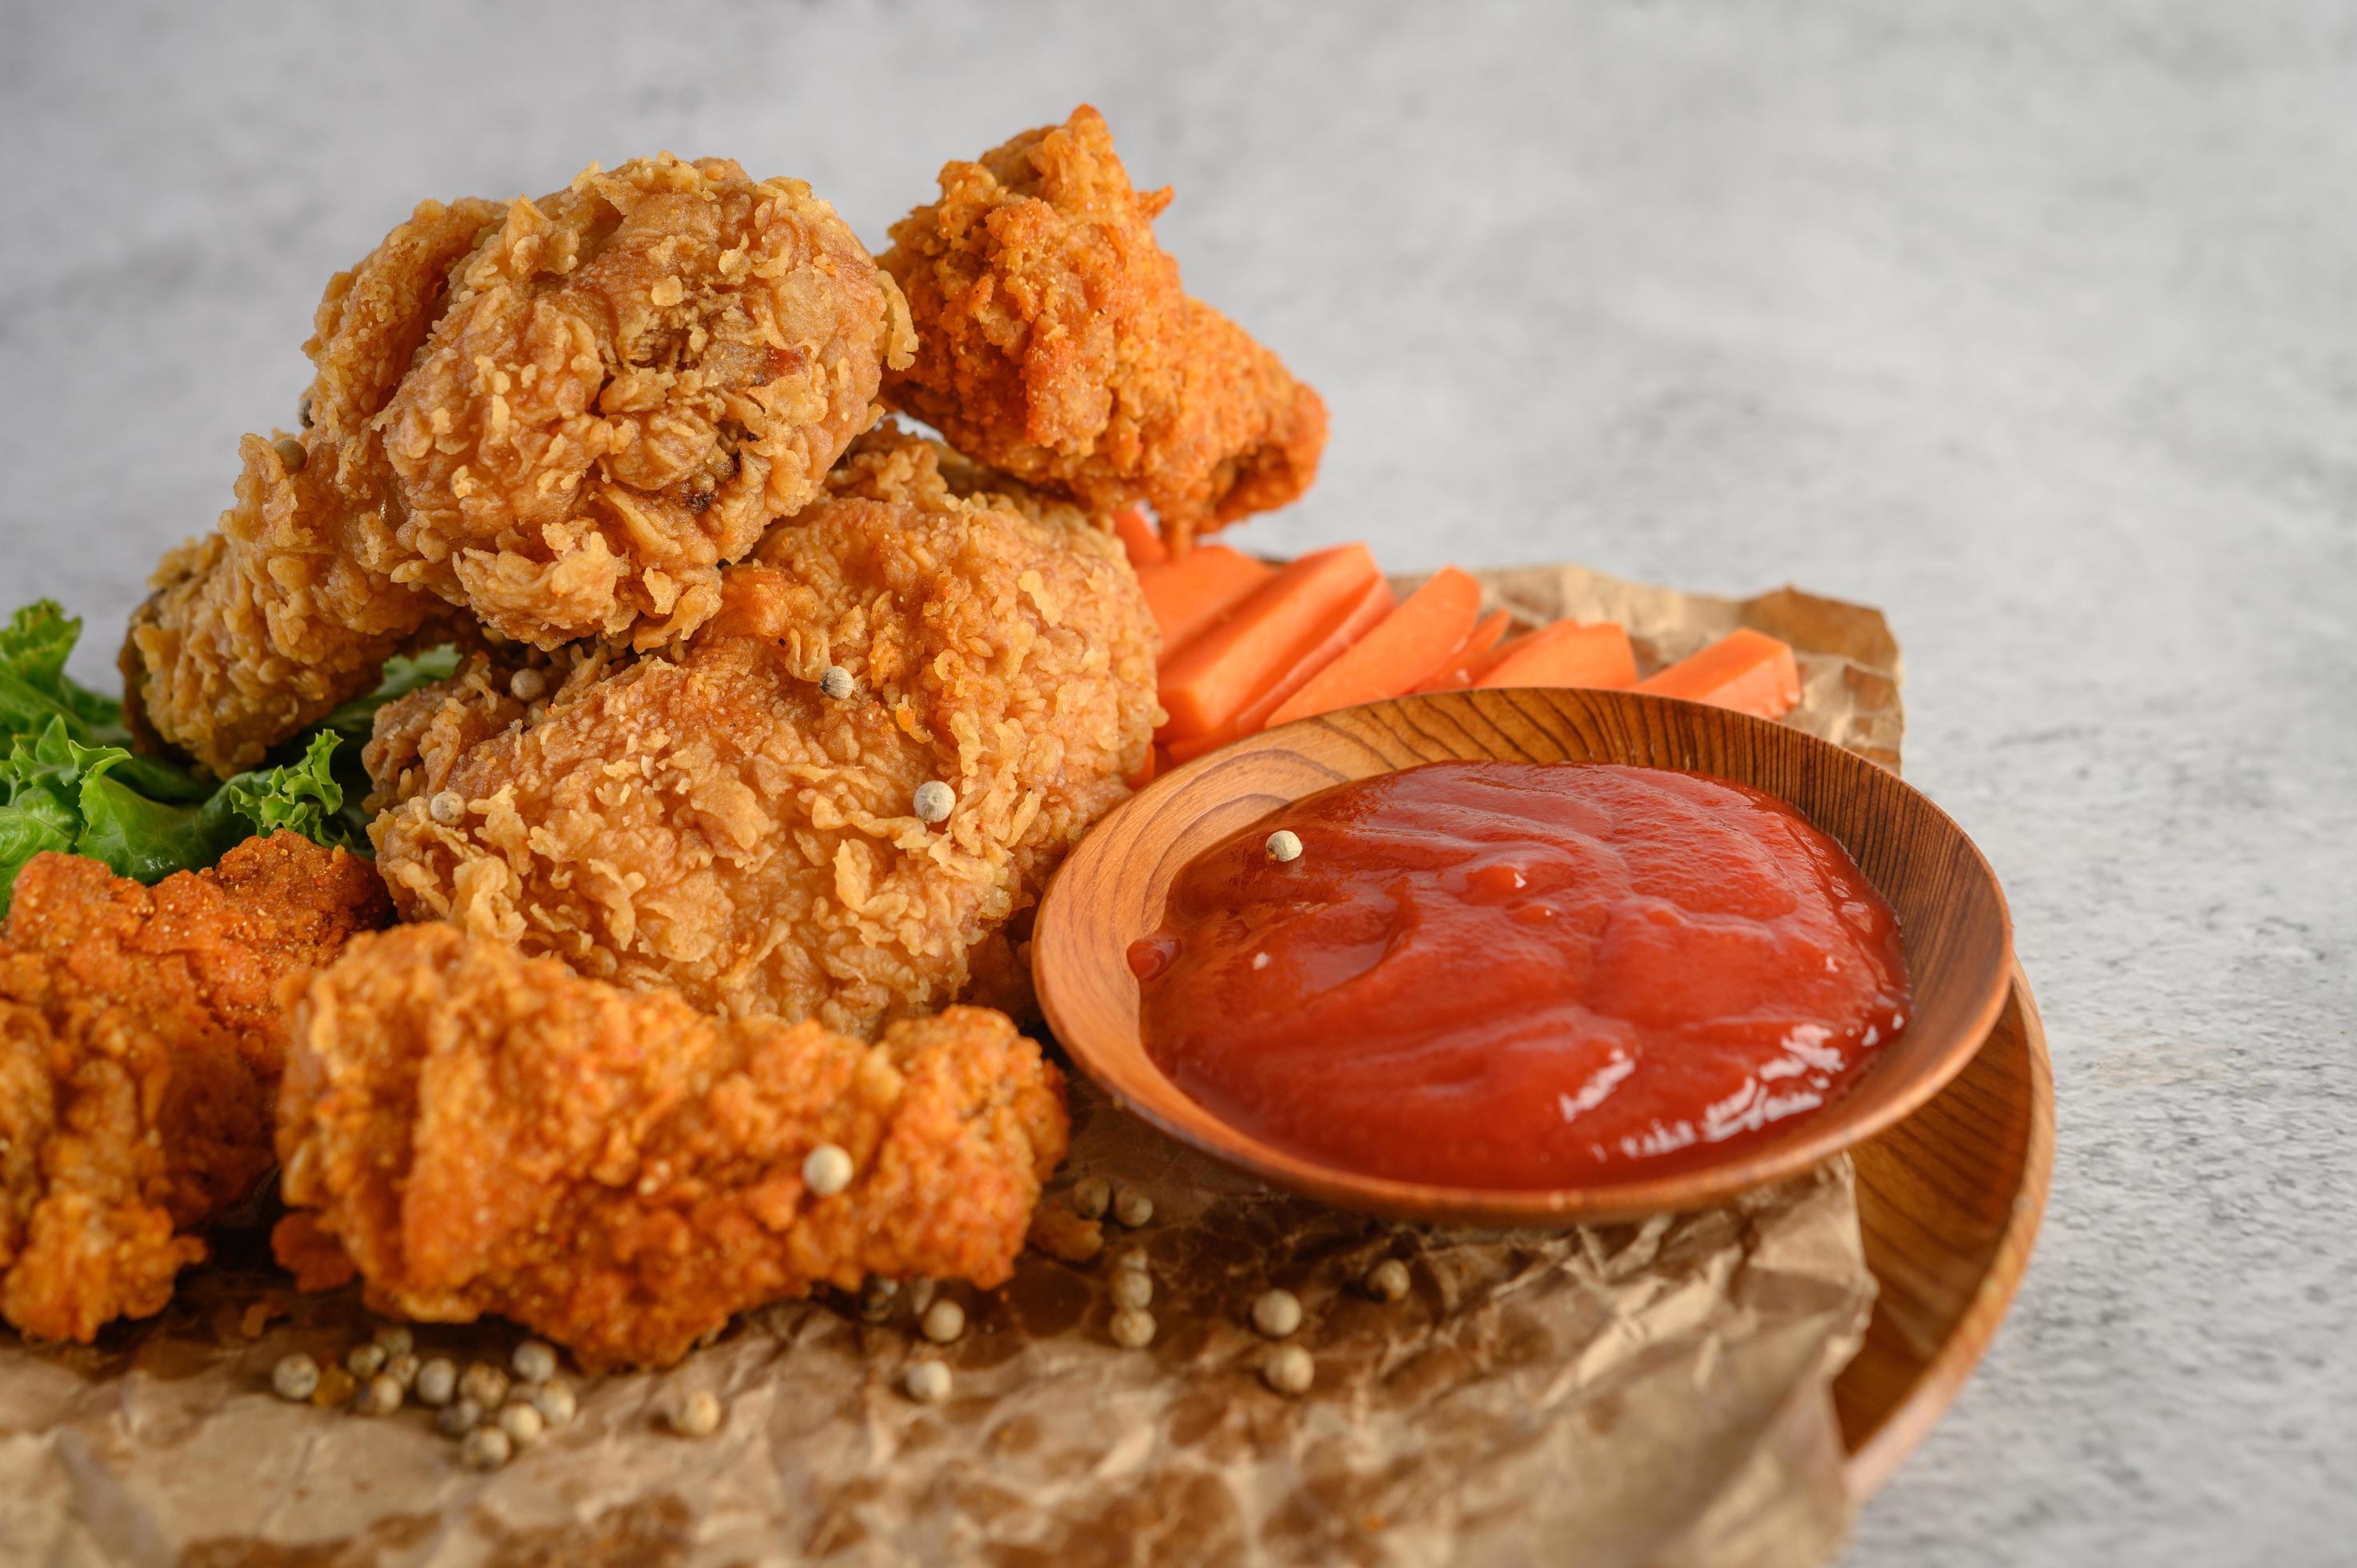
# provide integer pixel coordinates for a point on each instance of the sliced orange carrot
(1475, 654)
(1213, 678)
(1748, 671)
(1567, 653)
(1356, 619)
(1189, 596)
(1405, 647)
(1138, 539)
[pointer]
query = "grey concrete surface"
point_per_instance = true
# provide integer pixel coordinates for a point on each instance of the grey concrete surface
(2031, 323)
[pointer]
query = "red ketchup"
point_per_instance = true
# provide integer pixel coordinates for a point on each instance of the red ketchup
(1505, 974)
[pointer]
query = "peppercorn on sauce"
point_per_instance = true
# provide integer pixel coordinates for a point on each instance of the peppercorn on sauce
(1504, 974)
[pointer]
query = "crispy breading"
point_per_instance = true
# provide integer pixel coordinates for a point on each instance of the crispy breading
(141, 1043)
(476, 1132)
(713, 821)
(562, 417)
(1055, 342)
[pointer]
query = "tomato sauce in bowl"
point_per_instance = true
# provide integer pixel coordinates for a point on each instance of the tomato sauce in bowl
(1522, 975)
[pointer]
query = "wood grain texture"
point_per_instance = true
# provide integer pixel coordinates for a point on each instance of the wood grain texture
(1949, 1203)
(1111, 892)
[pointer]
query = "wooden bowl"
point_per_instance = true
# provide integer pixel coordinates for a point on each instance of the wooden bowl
(1110, 893)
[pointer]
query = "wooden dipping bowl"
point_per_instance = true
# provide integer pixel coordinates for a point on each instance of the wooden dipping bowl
(1952, 919)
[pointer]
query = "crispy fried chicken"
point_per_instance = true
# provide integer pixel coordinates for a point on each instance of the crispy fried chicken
(715, 823)
(1055, 342)
(474, 1132)
(560, 418)
(141, 1043)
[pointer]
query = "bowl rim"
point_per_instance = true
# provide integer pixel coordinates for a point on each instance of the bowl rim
(1701, 1186)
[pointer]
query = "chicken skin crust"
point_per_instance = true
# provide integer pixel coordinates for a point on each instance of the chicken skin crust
(561, 417)
(714, 821)
(476, 1132)
(1055, 343)
(141, 1043)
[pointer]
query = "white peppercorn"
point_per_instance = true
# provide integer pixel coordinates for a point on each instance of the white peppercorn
(522, 1425)
(364, 1361)
(486, 1449)
(927, 1381)
(437, 1380)
(943, 1321)
(1132, 1207)
(1388, 1280)
(527, 685)
(396, 1340)
(1092, 1195)
(459, 1417)
(1133, 1328)
(1284, 845)
(290, 453)
(485, 1384)
(827, 1169)
(402, 1370)
(835, 683)
(1132, 1288)
(933, 801)
(553, 1400)
(534, 1361)
(380, 1395)
(875, 1297)
(1289, 1369)
(295, 1377)
(697, 1415)
(1277, 1313)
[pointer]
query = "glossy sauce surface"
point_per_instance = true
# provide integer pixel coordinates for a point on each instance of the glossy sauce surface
(1522, 974)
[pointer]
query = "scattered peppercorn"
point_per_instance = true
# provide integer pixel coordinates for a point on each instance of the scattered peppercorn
(1132, 1207)
(1092, 1195)
(826, 1170)
(697, 1415)
(1133, 1328)
(290, 453)
(295, 1377)
(486, 1449)
(485, 1384)
(437, 1380)
(1284, 845)
(364, 1361)
(1277, 1313)
(459, 1417)
(534, 1361)
(522, 1424)
(447, 807)
(943, 1321)
(380, 1395)
(1131, 1258)
(303, 410)
(396, 1340)
(875, 1297)
(553, 1400)
(402, 1370)
(1132, 1288)
(927, 1381)
(1289, 1369)
(1388, 1280)
(527, 685)
(933, 801)
(835, 683)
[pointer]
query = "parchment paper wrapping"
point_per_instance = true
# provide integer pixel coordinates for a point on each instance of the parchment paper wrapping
(1650, 1394)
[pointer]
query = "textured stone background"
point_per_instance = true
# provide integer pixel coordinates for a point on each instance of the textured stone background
(2031, 323)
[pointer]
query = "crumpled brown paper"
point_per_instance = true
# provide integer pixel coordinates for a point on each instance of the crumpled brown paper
(1652, 1394)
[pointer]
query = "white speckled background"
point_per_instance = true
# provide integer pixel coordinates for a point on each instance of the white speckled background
(2034, 324)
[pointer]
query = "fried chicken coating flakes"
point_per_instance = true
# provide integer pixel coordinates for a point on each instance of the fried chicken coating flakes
(141, 1043)
(476, 1132)
(1055, 342)
(714, 821)
(561, 418)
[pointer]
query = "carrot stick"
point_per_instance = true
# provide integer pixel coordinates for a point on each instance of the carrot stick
(1138, 539)
(1748, 671)
(1406, 646)
(1566, 654)
(1473, 656)
(1369, 610)
(1189, 596)
(1213, 678)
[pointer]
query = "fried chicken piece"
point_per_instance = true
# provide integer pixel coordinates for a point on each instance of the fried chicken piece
(715, 822)
(476, 1132)
(561, 418)
(1054, 342)
(141, 1043)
